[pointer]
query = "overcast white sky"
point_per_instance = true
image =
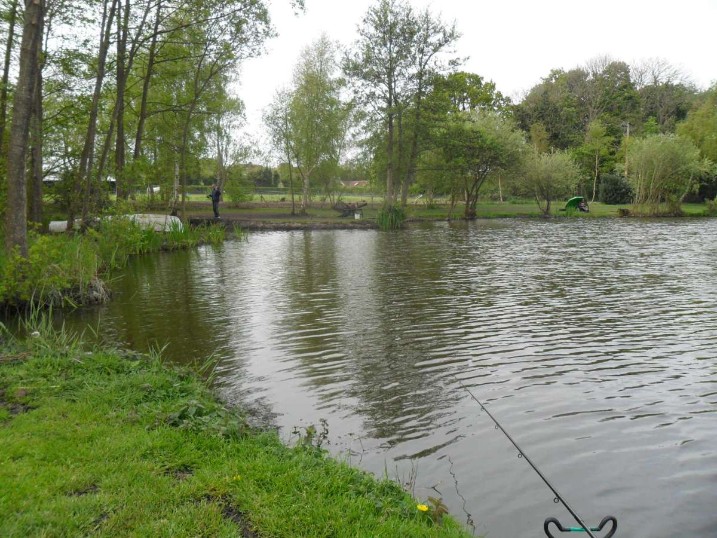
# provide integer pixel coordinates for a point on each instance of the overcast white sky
(514, 43)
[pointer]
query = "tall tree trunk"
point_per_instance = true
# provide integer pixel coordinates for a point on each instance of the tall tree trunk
(291, 188)
(35, 194)
(124, 64)
(305, 193)
(87, 157)
(413, 157)
(104, 154)
(6, 72)
(145, 86)
(390, 199)
(122, 30)
(183, 173)
(287, 149)
(595, 175)
(16, 213)
(400, 151)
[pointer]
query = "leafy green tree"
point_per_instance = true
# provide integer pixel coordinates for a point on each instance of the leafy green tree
(664, 168)
(701, 125)
(435, 178)
(317, 120)
(454, 95)
(477, 145)
(460, 91)
(432, 39)
(609, 94)
(276, 118)
(614, 189)
(400, 55)
(379, 65)
(549, 177)
(539, 137)
(595, 151)
(556, 105)
(666, 95)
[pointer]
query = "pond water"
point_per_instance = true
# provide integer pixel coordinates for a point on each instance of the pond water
(591, 341)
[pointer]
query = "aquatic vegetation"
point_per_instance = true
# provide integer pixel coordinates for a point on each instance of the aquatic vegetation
(391, 218)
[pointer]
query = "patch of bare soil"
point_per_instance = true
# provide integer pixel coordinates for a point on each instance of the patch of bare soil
(14, 407)
(232, 513)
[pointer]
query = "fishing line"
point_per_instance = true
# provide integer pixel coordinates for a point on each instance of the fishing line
(558, 498)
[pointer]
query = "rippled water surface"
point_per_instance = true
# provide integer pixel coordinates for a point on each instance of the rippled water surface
(592, 341)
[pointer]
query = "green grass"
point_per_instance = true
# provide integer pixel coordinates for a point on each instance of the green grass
(70, 269)
(281, 212)
(114, 444)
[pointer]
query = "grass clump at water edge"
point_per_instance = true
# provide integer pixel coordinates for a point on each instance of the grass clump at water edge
(115, 444)
(71, 268)
(391, 218)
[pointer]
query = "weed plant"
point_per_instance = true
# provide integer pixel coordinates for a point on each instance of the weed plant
(391, 218)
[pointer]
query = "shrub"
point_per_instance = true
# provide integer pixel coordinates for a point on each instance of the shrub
(239, 190)
(614, 190)
(58, 269)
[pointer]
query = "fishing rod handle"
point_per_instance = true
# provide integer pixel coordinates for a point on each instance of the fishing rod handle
(605, 521)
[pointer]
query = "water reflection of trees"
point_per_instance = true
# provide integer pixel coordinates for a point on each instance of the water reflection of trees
(359, 311)
(171, 300)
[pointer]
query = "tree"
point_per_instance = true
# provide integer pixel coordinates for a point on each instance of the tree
(556, 105)
(200, 58)
(665, 93)
(82, 188)
(317, 117)
(432, 39)
(397, 58)
(276, 118)
(16, 216)
(549, 176)
(477, 145)
(595, 150)
(701, 125)
(539, 138)
(379, 66)
(663, 168)
(608, 94)
(9, 44)
(460, 91)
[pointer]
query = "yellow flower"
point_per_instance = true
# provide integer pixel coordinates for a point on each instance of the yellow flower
(236, 477)
(422, 507)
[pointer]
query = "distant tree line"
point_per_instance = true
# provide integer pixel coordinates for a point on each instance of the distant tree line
(609, 131)
(138, 92)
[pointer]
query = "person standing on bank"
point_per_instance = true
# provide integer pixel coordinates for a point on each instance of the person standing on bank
(215, 195)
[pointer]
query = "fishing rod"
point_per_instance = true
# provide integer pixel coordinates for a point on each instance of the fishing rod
(558, 498)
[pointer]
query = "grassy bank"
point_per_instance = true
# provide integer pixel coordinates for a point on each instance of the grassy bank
(114, 444)
(279, 211)
(63, 269)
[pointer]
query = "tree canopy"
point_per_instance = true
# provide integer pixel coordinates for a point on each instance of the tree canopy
(142, 93)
